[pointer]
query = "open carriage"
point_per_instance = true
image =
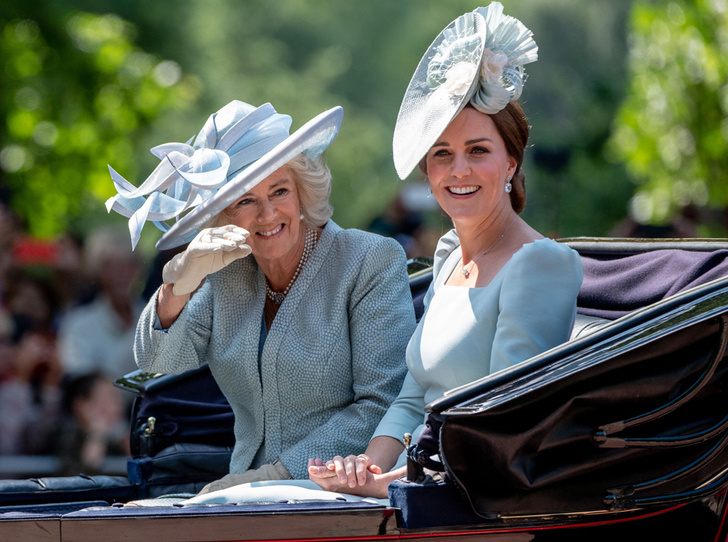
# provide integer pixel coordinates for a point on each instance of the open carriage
(619, 433)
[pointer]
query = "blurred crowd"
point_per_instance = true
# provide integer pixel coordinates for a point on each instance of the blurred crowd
(68, 311)
(405, 219)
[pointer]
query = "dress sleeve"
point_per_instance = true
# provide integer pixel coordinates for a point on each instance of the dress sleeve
(381, 321)
(406, 413)
(537, 303)
(183, 346)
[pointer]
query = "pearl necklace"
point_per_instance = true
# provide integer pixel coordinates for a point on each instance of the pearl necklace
(308, 246)
(465, 271)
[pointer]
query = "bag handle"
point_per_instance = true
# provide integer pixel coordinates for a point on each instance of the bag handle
(627, 491)
(623, 497)
(664, 442)
(602, 434)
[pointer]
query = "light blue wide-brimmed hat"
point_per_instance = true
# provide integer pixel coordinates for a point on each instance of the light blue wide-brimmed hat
(476, 59)
(237, 148)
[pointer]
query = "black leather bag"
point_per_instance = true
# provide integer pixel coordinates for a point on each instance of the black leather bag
(643, 428)
(178, 409)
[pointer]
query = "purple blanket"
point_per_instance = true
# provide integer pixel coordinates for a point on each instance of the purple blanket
(617, 285)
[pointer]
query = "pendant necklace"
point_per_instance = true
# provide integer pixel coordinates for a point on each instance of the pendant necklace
(466, 271)
(308, 246)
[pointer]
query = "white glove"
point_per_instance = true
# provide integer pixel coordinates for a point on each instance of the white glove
(211, 250)
(269, 471)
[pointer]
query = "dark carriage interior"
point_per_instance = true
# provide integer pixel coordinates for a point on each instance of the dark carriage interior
(542, 442)
(191, 417)
(182, 426)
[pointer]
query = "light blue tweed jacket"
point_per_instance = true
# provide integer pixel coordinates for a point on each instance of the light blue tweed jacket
(333, 360)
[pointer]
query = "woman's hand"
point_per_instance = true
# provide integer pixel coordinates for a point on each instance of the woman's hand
(364, 474)
(342, 472)
(375, 483)
(269, 471)
(211, 250)
(354, 475)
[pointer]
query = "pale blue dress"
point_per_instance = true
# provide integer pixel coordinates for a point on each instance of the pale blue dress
(468, 333)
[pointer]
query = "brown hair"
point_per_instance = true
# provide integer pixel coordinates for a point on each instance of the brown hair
(512, 125)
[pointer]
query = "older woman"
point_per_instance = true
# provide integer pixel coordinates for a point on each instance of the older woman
(501, 292)
(306, 338)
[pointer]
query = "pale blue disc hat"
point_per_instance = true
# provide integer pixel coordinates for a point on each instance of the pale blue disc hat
(478, 58)
(238, 147)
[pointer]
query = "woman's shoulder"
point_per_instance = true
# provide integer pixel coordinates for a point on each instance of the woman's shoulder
(546, 247)
(548, 255)
(352, 239)
(446, 245)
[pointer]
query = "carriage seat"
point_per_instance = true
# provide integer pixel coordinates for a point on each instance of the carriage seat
(586, 325)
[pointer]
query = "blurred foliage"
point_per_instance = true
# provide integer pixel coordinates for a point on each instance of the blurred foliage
(305, 56)
(76, 94)
(571, 96)
(672, 130)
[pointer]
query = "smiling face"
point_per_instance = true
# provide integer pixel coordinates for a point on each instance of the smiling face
(271, 213)
(468, 167)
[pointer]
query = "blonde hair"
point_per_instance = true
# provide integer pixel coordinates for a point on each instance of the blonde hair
(313, 180)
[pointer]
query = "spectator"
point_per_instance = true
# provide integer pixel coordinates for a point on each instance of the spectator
(9, 231)
(31, 301)
(99, 336)
(75, 287)
(684, 225)
(401, 223)
(92, 428)
(29, 393)
(30, 369)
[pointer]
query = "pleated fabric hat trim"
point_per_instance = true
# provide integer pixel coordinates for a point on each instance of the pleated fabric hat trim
(478, 58)
(238, 147)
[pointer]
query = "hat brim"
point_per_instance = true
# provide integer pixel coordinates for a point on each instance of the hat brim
(312, 139)
(425, 111)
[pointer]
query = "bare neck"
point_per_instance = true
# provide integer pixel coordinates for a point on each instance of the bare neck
(280, 271)
(479, 236)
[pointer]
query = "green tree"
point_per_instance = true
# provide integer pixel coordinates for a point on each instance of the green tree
(571, 97)
(77, 94)
(672, 130)
(305, 56)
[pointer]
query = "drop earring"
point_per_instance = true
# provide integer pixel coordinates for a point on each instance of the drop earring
(509, 186)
